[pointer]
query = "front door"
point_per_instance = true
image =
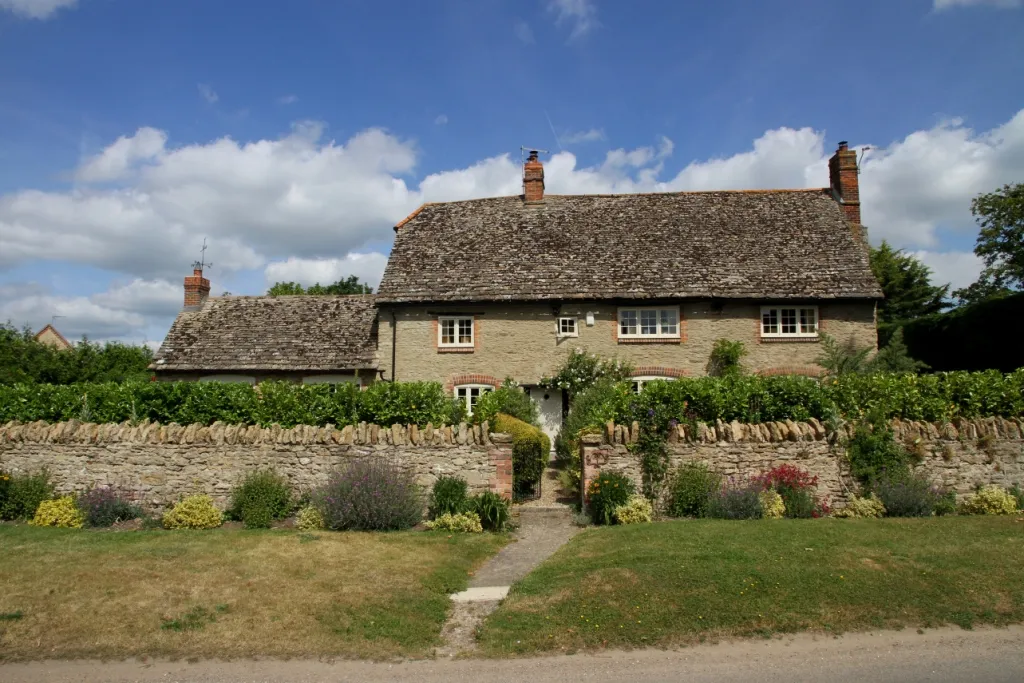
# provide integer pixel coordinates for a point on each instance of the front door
(549, 406)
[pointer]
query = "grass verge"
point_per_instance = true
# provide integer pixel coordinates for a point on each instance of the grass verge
(228, 594)
(690, 581)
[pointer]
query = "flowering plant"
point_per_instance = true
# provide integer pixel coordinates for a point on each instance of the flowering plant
(581, 370)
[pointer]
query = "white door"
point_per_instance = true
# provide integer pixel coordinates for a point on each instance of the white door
(549, 405)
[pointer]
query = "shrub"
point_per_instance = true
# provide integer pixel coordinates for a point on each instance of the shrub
(369, 494)
(589, 410)
(260, 498)
(772, 505)
(448, 496)
(607, 492)
(531, 449)
(193, 512)
(725, 358)
(906, 494)
(62, 512)
(492, 509)
(24, 494)
(946, 504)
(5, 486)
(990, 500)
(736, 501)
(309, 519)
(583, 370)
(102, 506)
(873, 450)
(689, 490)
(1018, 493)
(796, 486)
(637, 510)
(869, 506)
(464, 522)
(508, 399)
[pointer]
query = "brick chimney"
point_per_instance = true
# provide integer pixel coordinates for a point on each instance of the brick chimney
(842, 176)
(197, 288)
(533, 179)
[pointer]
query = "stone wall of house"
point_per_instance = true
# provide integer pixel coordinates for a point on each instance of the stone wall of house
(520, 340)
(959, 455)
(160, 463)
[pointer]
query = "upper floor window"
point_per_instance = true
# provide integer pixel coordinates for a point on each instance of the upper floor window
(567, 327)
(789, 322)
(470, 394)
(454, 331)
(649, 322)
(641, 381)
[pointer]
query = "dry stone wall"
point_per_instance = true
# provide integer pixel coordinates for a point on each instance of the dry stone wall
(959, 455)
(160, 463)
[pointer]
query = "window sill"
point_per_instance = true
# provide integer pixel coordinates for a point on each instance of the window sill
(654, 340)
(456, 349)
(790, 340)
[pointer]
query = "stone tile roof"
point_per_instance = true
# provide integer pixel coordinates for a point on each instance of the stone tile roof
(289, 333)
(784, 244)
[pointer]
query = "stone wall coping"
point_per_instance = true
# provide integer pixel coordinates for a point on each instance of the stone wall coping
(146, 432)
(815, 430)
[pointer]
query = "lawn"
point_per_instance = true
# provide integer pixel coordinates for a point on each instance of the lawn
(689, 581)
(228, 593)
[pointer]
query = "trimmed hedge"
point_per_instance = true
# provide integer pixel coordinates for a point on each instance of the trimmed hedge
(530, 451)
(282, 403)
(751, 399)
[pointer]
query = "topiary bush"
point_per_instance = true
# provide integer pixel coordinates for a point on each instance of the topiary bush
(62, 512)
(262, 497)
(990, 500)
(736, 500)
(772, 505)
(369, 494)
(531, 449)
(193, 512)
(492, 509)
(309, 519)
(608, 491)
(448, 496)
(856, 508)
(103, 506)
(689, 488)
(24, 493)
(637, 510)
(463, 522)
(907, 494)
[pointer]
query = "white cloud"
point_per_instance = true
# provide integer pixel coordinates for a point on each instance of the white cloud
(368, 267)
(523, 31)
(114, 161)
(148, 297)
(208, 93)
(36, 9)
(576, 137)
(958, 268)
(288, 99)
(441, 120)
(581, 14)
(1004, 4)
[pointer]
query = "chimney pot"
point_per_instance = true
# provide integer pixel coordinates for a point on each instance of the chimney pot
(533, 179)
(197, 289)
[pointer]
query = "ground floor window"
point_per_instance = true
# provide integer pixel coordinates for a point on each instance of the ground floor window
(471, 393)
(641, 381)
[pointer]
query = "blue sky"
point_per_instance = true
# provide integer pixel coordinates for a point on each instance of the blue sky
(294, 135)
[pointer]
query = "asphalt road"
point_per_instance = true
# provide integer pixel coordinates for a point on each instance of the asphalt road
(942, 656)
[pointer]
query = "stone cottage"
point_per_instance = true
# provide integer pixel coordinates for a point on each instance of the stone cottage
(478, 290)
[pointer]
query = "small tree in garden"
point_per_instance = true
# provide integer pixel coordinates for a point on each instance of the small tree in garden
(582, 370)
(725, 358)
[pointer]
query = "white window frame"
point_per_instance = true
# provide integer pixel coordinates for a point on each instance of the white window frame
(640, 381)
(468, 398)
(567, 318)
(799, 310)
(457, 321)
(638, 311)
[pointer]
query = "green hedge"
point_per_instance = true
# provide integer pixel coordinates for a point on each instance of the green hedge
(974, 337)
(934, 397)
(282, 403)
(531, 449)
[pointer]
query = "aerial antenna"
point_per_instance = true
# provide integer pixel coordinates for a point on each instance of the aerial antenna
(863, 149)
(53, 318)
(201, 264)
(524, 149)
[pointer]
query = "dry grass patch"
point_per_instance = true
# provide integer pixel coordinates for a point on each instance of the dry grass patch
(229, 593)
(683, 582)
